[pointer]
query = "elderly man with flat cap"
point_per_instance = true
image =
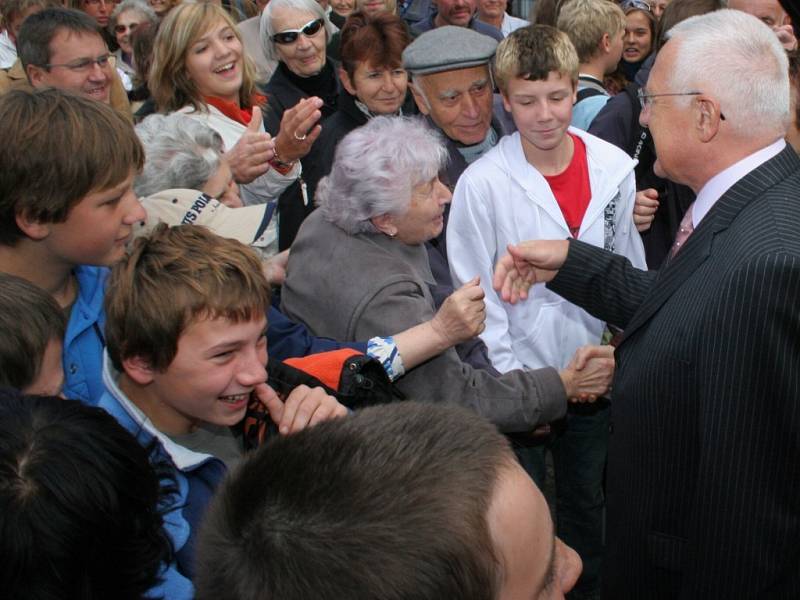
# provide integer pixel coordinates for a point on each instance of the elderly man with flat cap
(452, 86)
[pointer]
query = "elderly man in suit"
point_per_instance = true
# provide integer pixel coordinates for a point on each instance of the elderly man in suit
(703, 478)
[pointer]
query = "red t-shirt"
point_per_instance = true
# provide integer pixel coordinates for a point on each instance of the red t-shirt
(571, 187)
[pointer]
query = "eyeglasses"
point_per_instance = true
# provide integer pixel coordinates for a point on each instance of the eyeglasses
(646, 100)
(120, 28)
(636, 5)
(290, 35)
(83, 65)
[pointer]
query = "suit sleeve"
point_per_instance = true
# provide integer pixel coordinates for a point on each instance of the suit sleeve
(516, 401)
(604, 284)
(472, 250)
(750, 418)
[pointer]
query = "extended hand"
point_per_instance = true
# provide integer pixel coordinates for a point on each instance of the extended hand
(304, 407)
(274, 268)
(589, 373)
(298, 129)
(528, 263)
(461, 316)
(250, 157)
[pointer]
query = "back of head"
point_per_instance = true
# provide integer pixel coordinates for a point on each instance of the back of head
(388, 503)
(78, 504)
(680, 10)
(175, 276)
(59, 148)
(378, 41)
(586, 21)
(533, 53)
(181, 152)
(29, 320)
(38, 30)
(375, 168)
(739, 60)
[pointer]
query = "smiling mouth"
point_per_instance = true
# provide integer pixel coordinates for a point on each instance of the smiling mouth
(225, 68)
(235, 398)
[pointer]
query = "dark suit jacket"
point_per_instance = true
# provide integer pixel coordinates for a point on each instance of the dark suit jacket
(704, 458)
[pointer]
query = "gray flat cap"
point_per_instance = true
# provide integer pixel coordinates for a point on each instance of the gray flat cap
(448, 48)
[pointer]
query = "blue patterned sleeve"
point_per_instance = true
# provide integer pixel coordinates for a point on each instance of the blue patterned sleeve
(384, 350)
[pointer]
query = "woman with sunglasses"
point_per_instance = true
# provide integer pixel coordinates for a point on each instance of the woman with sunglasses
(200, 69)
(125, 18)
(640, 36)
(295, 33)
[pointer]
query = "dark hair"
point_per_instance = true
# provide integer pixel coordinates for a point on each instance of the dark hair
(64, 148)
(680, 10)
(38, 30)
(78, 503)
(29, 319)
(379, 41)
(388, 503)
(142, 41)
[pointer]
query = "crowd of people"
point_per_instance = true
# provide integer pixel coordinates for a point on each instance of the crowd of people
(286, 286)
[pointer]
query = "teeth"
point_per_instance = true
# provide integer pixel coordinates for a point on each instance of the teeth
(234, 399)
(227, 67)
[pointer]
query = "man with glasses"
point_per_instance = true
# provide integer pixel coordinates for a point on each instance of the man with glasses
(62, 48)
(702, 486)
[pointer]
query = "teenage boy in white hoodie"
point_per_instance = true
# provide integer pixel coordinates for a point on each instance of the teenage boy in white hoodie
(547, 181)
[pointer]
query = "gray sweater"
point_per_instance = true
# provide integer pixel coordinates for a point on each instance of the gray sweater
(356, 287)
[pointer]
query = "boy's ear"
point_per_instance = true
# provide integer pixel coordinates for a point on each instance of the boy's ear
(138, 369)
(36, 230)
(506, 103)
(605, 43)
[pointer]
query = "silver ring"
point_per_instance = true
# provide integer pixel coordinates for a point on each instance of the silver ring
(300, 138)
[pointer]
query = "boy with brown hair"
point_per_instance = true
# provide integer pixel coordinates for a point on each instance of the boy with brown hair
(596, 28)
(547, 181)
(186, 335)
(67, 209)
(32, 328)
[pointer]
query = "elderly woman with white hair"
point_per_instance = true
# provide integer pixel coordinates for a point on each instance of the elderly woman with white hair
(295, 33)
(359, 268)
(125, 18)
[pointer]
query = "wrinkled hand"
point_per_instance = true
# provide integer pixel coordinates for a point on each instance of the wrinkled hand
(304, 407)
(528, 263)
(644, 209)
(250, 157)
(461, 316)
(274, 268)
(297, 122)
(589, 373)
(786, 37)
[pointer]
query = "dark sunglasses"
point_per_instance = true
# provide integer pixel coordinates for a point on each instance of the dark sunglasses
(290, 35)
(123, 28)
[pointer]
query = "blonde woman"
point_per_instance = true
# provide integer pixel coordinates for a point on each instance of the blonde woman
(200, 69)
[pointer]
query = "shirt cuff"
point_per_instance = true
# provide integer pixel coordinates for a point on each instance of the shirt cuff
(384, 350)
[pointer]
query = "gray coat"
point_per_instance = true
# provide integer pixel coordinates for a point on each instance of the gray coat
(356, 287)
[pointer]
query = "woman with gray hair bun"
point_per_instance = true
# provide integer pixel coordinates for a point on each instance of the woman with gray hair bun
(181, 152)
(125, 18)
(359, 268)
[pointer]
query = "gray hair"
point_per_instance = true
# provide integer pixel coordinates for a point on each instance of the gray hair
(375, 170)
(736, 58)
(180, 152)
(266, 30)
(137, 6)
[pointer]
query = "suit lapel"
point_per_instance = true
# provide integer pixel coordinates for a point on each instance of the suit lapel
(700, 245)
